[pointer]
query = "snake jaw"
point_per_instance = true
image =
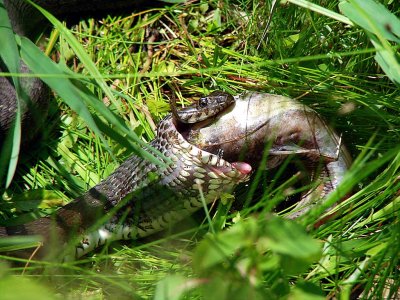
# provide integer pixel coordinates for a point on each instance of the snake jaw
(242, 167)
(238, 171)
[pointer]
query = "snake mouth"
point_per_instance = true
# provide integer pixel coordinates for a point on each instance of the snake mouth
(200, 163)
(241, 169)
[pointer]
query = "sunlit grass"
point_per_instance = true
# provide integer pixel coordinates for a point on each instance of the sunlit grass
(322, 62)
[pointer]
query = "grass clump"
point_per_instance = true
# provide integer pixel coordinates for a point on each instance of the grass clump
(131, 63)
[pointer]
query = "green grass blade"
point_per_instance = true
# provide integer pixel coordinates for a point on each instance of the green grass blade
(321, 10)
(373, 17)
(73, 94)
(99, 106)
(358, 171)
(41, 64)
(9, 55)
(80, 52)
(384, 26)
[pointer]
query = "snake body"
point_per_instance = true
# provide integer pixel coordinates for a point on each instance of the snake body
(140, 197)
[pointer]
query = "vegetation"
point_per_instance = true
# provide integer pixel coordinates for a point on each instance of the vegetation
(112, 83)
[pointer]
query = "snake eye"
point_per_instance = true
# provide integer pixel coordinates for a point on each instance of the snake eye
(221, 99)
(203, 102)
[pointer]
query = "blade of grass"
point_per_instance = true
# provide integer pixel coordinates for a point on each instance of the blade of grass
(359, 170)
(94, 72)
(383, 26)
(80, 52)
(9, 55)
(321, 10)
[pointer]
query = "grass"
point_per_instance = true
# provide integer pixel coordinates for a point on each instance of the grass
(201, 47)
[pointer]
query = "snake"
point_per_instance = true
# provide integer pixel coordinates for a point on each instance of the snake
(205, 150)
(141, 197)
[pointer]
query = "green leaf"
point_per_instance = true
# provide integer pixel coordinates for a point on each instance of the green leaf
(377, 249)
(296, 249)
(388, 60)
(289, 238)
(16, 287)
(215, 249)
(228, 289)
(321, 10)
(306, 291)
(173, 287)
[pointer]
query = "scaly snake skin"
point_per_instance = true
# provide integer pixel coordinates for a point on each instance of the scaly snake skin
(140, 197)
(165, 195)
